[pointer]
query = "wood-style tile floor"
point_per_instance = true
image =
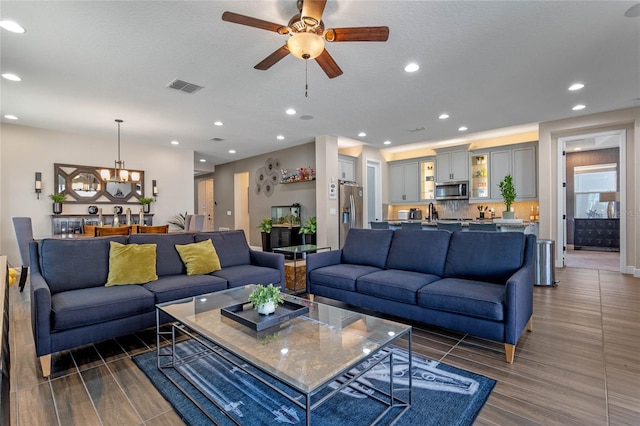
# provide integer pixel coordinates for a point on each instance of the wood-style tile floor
(579, 366)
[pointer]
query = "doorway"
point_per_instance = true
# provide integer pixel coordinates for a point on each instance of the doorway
(241, 202)
(373, 192)
(591, 232)
(204, 202)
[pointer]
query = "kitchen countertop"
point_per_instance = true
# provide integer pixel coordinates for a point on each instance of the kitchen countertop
(465, 223)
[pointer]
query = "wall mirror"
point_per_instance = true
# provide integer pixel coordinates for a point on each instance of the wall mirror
(83, 184)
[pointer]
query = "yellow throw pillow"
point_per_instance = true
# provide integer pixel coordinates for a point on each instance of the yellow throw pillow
(199, 258)
(131, 264)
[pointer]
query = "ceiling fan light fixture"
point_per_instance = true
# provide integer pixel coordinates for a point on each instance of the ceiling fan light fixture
(305, 45)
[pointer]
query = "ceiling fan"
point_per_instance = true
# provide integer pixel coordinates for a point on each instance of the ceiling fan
(307, 35)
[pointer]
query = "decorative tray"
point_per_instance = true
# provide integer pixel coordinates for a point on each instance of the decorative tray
(246, 315)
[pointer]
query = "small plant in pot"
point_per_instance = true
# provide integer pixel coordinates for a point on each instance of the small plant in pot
(146, 204)
(265, 228)
(57, 199)
(308, 231)
(265, 299)
(508, 192)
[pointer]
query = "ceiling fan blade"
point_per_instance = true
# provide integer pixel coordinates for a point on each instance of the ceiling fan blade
(251, 22)
(328, 65)
(271, 60)
(313, 9)
(357, 34)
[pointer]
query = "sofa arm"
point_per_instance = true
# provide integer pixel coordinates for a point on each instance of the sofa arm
(40, 313)
(268, 260)
(518, 303)
(322, 259)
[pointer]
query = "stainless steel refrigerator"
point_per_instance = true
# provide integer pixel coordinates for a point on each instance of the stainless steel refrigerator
(350, 201)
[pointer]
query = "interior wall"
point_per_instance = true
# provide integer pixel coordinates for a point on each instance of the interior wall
(548, 181)
(326, 153)
(26, 150)
(259, 202)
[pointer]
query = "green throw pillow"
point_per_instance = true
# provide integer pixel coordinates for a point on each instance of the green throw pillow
(131, 264)
(199, 258)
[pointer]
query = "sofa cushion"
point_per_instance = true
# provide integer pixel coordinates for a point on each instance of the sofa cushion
(392, 284)
(75, 263)
(466, 297)
(419, 251)
(231, 246)
(168, 260)
(199, 258)
(77, 308)
(240, 275)
(174, 287)
(342, 276)
(367, 247)
(131, 264)
(485, 256)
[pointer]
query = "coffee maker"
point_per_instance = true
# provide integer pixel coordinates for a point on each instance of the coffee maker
(415, 214)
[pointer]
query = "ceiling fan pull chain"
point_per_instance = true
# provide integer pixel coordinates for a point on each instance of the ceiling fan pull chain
(306, 78)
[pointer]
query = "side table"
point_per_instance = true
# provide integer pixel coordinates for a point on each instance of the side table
(295, 270)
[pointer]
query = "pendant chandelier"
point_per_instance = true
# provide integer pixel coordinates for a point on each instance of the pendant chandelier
(120, 174)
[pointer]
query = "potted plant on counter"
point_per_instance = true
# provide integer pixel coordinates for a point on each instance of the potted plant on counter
(508, 192)
(265, 228)
(308, 231)
(265, 299)
(57, 199)
(146, 204)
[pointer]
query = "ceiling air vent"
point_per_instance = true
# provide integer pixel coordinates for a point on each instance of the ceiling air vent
(216, 140)
(184, 86)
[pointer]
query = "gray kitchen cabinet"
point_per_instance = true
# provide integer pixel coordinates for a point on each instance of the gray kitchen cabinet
(524, 172)
(404, 181)
(347, 168)
(452, 165)
(499, 167)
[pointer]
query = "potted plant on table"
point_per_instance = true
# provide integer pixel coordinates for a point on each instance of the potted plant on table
(58, 199)
(308, 231)
(265, 299)
(265, 228)
(508, 192)
(146, 204)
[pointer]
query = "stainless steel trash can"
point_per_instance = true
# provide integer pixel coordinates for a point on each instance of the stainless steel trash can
(545, 263)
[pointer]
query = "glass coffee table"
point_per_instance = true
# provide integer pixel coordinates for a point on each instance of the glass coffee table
(307, 354)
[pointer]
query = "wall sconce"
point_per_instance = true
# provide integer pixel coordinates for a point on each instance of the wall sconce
(38, 184)
(154, 190)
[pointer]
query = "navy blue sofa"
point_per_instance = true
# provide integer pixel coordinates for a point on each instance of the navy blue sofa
(70, 305)
(479, 283)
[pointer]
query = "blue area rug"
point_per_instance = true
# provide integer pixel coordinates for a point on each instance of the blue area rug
(442, 395)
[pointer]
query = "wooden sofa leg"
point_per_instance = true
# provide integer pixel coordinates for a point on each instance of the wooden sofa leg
(510, 351)
(530, 324)
(45, 364)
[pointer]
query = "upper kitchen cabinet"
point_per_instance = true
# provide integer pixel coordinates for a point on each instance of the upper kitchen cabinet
(525, 165)
(347, 168)
(403, 181)
(452, 165)
(478, 176)
(427, 179)
(500, 166)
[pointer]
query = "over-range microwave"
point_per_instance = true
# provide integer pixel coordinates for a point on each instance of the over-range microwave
(455, 190)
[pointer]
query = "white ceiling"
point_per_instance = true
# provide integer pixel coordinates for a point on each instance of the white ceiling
(490, 65)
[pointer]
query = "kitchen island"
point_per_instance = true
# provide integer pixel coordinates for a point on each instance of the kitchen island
(526, 226)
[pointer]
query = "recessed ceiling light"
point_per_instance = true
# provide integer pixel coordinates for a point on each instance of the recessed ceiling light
(232, 151)
(175, 143)
(290, 111)
(412, 67)
(362, 134)
(202, 160)
(443, 116)
(11, 77)
(10, 117)
(218, 123)
(11, 26)
(579, 107)
(387, 142)
(577, 148)
(280, 137)
(462, 128)
(576, 86)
